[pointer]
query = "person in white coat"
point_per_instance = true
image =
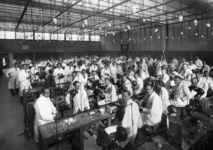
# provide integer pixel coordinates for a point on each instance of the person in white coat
(68, 72)
(139, 87)
(163, 94)
(165, 77)
(152, 112)
(131, 119)
(110, 91)
(113, 72)
(80, 101)
(181, 92)
(13, 83)
(24, 81)
(127, 85)
(59, 71)
(45, 111)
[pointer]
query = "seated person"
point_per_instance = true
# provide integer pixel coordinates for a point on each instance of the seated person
(201, 82)
(164, 95)
(95, 78)
(131, 119)
(152, 112)
(44, 111)
(210, 84)
(139, 87)
(181, 93)
(50, 81)
(80, 101)
(110, 91)
(127, 85)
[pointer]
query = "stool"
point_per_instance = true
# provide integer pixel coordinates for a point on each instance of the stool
(104, 141)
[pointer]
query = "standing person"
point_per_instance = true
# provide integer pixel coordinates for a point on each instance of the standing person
(13, 83)
(110, 91)
(68, 72)
(24, 81)
(58, 73)
(139, 87)
(113, 72)
(45, 111)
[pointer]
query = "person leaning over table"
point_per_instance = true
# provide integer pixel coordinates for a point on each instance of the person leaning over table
(45, 111)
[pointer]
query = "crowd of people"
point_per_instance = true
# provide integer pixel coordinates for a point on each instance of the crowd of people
(162, 83)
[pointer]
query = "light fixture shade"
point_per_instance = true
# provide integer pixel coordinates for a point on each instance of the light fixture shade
(195, 22)
(128, 27)
(180, 18)
(208, 25)
(156, 29)
(109, 24)
(181, 32)
(85, 22)
(133, 9)
(55, 21)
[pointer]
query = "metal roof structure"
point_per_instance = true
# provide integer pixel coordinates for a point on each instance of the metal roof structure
(96, 16)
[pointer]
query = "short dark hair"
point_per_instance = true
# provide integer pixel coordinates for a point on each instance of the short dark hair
(44, 88)
(127, 91)
(76, 82)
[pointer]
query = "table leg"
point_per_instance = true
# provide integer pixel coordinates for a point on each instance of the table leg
(81, 139)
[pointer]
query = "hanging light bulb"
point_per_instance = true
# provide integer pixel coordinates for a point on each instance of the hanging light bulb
(189, 27)
(173, 38)
(128, 27)
(113, 33)
(196, 34)
(202, 36)
(156, 29)
(105, 34)
(144, 20)
(181, 32)
(125, 30)
(55, 21)
(208, 25)
(212, 33)
(180, 18)
(195, 22)
(133, 8)
(166, 37)
(109, 24)
(158, 37)
(150, 37)
(100, 28)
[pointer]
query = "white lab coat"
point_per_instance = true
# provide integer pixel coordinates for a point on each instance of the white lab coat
(139, 86)
(113, 72)
(33, 71)
(44, 113)
(111, 93)
(68, 73)
(104, 71)
(93, 68)
(24, 83)
(80, 101)
(152, 113)
(128, 86)
(164, 95)
(182, 95)
(131, 121)
(203, 84)
(166, 80)
(56, 73)
(12, 74)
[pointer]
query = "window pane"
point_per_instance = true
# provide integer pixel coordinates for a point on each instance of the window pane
(74, 37)
(2, 35)
(10, 34)
(95, 37)
(68, 37)
(61, 37)
(28, 35)
(81, 38)
(46, 36)
(86, 37)
(53, 36)
(19, 35)
(38, 36)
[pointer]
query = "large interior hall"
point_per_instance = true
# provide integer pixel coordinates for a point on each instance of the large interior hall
(106, 74)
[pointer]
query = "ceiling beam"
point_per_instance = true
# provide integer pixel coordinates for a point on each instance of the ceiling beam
(22, 15)
(94, 14)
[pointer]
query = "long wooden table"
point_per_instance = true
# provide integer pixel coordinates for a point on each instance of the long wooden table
(48, 132)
